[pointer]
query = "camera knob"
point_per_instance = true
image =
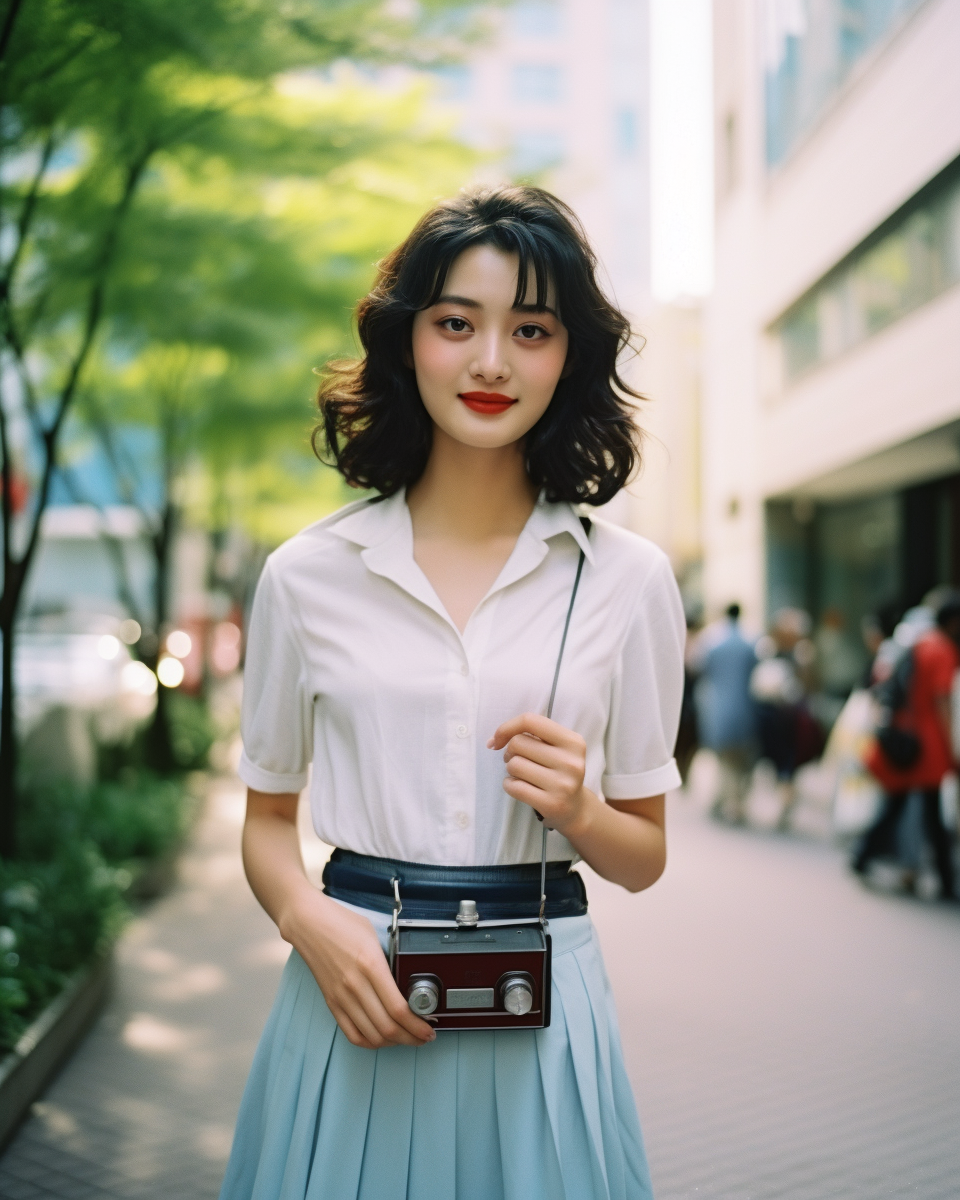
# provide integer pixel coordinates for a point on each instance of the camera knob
(517, 995)
(423, 997)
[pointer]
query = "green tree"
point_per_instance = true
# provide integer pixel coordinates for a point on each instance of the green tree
(231, 281)
(94, 96)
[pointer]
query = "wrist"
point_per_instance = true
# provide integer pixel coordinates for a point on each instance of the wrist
(302, 908)
(583, 818)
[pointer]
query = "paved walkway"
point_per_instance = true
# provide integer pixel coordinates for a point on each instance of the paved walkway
(789, 1034)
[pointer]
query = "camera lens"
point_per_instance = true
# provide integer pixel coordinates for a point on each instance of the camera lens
(423, 997)
(517, 995)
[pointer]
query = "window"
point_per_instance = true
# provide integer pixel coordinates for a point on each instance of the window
(537, 83)
(911, 259)
(453, 82)
(535, 151)
(625, 131)
(536, 19)
(811, 46)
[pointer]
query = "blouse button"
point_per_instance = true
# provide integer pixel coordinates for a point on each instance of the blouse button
(465, 670)
(462, 731)
(462, 820)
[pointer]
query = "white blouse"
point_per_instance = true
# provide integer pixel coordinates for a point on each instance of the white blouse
(353, 665)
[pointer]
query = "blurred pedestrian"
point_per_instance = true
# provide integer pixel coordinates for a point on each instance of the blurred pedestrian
(688, 735)
(789, 736)
(914, 752)
(727, 713)
(408, 646)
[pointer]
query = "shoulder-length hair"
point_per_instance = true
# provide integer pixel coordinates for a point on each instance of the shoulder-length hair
(374, 427)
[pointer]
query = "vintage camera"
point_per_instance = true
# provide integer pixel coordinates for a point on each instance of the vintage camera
(473, 974)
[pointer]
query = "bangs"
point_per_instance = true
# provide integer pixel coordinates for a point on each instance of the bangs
(534, 248)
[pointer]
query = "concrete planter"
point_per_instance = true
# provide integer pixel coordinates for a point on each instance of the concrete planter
(42, 1050)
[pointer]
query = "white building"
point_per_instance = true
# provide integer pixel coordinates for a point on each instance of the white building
(831, 409)
(560, 96)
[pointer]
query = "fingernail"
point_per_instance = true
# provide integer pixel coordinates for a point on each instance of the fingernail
(490, 744)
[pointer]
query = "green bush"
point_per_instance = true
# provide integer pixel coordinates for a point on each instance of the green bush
(63, 899)
(139, 815)
(192, 730)
(53, 917)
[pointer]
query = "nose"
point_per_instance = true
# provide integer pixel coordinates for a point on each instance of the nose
(491, 364)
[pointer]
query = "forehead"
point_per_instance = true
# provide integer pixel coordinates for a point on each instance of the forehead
(489, 274)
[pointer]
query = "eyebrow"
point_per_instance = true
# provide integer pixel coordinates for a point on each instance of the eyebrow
(466, 302)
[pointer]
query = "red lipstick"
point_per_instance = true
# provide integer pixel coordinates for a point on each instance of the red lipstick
(490, 403)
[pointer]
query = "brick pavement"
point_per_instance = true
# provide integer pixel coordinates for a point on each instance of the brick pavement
(788, 1034)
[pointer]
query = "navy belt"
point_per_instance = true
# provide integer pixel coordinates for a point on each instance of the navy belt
(432, 893)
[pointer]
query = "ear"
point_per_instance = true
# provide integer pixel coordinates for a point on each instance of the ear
(568, 366)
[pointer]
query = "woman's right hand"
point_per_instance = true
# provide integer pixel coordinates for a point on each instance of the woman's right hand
(343, 952)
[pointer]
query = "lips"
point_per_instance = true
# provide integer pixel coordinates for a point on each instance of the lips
(489, 403)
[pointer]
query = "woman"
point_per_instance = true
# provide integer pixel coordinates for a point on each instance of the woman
(406, 646)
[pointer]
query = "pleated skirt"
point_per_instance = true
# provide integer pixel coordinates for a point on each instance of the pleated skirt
(520, 1114)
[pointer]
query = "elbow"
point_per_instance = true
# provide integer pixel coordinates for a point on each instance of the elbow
(649, 874)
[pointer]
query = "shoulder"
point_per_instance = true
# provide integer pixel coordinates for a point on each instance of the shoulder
(627, 555)
(936, 650)
(317, 544)
(635, 569)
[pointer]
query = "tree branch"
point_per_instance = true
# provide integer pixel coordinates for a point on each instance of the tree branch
(91, 324)
(25, 219)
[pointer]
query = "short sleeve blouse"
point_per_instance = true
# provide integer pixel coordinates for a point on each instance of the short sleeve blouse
(354, 666)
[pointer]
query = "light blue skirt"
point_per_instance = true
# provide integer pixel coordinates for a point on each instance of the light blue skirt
(503, 1115)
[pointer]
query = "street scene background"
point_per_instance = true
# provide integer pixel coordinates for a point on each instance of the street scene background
(192, 200)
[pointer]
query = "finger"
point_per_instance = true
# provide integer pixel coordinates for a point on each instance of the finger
(396, 1008)
(530, 772)
(350, 1031)
(373, 1019)
(538, 751)
(526, 793)
(356, 1028)
(532, 723)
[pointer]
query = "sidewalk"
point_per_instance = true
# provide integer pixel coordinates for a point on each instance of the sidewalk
(789, 1034)
(145, 1109)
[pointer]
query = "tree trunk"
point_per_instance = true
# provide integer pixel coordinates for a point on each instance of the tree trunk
(159, 744)
(8, 750)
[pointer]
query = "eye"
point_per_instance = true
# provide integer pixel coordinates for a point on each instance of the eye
(455, 324)
(531, 333)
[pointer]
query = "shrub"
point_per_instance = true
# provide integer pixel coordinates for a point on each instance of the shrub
(63, 900)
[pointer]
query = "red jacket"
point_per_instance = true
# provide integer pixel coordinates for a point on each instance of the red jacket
(935, 661)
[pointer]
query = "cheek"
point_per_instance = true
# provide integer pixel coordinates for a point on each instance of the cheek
(544, 369)
(434, 358)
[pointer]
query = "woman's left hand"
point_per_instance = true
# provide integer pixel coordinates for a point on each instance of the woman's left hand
(545, 768)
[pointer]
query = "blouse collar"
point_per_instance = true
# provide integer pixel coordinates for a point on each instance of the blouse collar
(384, 530)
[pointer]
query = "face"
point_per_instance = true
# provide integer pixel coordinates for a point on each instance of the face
(486, 370)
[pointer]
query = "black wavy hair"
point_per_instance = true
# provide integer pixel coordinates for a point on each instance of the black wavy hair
(374, 427)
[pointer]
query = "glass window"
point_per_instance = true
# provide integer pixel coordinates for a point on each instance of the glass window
(454, 82)
(625, 131)
(536, 19)
(536, 150)
(915, 259)
(537, 83)
(811, 46)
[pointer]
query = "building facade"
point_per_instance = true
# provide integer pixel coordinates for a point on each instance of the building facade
(560, 95)
(831, 404)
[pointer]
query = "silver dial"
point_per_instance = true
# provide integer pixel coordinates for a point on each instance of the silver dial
(423, 997)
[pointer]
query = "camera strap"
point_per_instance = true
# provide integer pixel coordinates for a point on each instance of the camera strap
(395, 882)
(585, 522)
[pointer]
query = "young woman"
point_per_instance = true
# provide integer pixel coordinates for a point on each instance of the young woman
(406, 648)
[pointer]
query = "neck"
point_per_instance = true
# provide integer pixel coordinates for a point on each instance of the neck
(471, 493)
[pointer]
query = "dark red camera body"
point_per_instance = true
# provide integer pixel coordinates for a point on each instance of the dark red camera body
(487, 977)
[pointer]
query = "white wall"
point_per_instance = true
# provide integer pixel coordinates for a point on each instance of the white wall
(894, 125)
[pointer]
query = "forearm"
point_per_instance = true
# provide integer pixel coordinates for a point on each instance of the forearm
(624, 841)
(273, 862)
